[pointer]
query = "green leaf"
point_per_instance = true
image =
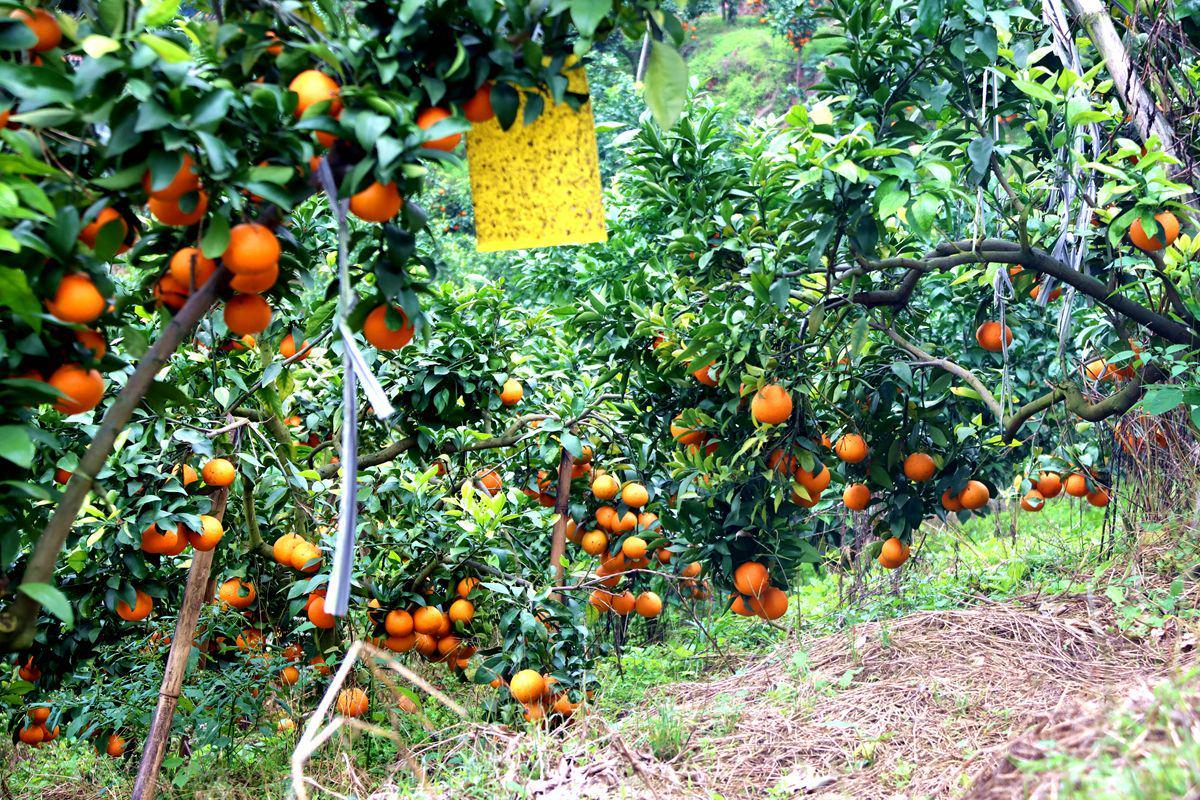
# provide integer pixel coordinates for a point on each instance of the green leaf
(16, 295)
(16, 445)
(587, 14)
(890, 197)
(15, 35)
(156, 13)
(666, 84)
(112, 15)
(216, 238)
(96, 45)
(54, 600)
(930, 14)
(980, 152)
(1161, 399)
(167, 50)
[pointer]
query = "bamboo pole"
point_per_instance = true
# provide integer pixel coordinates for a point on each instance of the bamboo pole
(194, 596)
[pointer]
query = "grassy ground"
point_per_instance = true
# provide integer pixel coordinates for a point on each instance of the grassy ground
(957, 567)
(748, 65)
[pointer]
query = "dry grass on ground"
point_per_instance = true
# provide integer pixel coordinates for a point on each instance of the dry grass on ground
(929, 705)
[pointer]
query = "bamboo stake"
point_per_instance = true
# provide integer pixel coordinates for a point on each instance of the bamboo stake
(194, 596)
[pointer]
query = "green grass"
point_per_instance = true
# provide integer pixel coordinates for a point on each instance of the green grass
(747, 65)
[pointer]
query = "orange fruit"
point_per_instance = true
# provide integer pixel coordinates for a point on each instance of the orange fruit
(381, 335)
(29, 672)
(600, 600)
(772, 605)
(92, 341)
(527, 686)
(188, 265)
(594, 542)
(975, 495)
(39, 715)
(141, 608)
(401, 644)
(1099, 497)
(751, 578)
(167, 542)
(115, 746)
(77, 299)
(1169, 232)
(317, 614)
(352, 702)
(781, 462)
(739, 606)
(306, 557)
(466, 586)
(247, 313)
(685, 435)
(623, 603)
(398, 623)
(950, 501)
(44, 26)
(255, 282)
(62, 476)
(857, 496)
(988, 336)
(625, 522)
(289, 676)
(287, 347)
(283, 547)
(1049, 484)
(1076, 485)
(648, 604)
(606, 517)
(183, 181)
(209, 535)
(893, 553)
(91, 231)
(428, 620)
(512, 392)
(490, 480)
(312, 87)
(605, 487)
(218, 472)
(479, 107)
(1033, 501)
(32, 734)
(430, 117)
(252, 248)
(704, 374)
(647, 520)
(379, 202)
(691, 570)
(634, 547)
(771, 405)
(814, 482)
(635, 495)
(83, 389)
(851, 448)
(170, 212)
(237, 593)
(170, 292)
(462, 611)
(919, 467)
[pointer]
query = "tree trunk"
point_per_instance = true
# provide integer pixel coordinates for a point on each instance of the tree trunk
(558, 540)
(194, 596)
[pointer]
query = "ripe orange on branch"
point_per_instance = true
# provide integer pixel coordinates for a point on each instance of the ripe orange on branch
(140, 610)
(218, 472)
(252, 248)
(44, 26)
(857, 497)
(77, 299)
(208, 536)
(381, 335)
(1168, 233)
(171, 212)
(83, 389)
(430, 117)
(379, 202)
(771, 405)
(919, 467)
(527, 686)
(313, 86)
(988, 336)
(479, 107)
(183, 181)
(751, 578)
(190, 267)
(605, 487)
(237, 593)
(511, 392)
(851, 448)
(247, 314)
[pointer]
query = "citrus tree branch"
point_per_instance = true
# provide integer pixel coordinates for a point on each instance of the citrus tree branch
(957, 370)
(18, 622)
(1073, 398)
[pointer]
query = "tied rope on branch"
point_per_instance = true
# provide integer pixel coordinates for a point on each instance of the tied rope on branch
(355, 371)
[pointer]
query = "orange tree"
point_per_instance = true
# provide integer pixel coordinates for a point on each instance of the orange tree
(903, 302)
(158, 165)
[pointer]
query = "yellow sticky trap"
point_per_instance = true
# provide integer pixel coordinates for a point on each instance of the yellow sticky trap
(537, 185)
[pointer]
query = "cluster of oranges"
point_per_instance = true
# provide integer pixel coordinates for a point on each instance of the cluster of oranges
(435, 634)
(36, 732)
(537, 694)
(1050, 484)
(754, 595)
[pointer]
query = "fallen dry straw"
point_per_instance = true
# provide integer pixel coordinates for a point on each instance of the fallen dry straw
(910, 705)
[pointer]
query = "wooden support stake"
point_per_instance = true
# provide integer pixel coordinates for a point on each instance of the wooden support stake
(194, 596)
(558, 540)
